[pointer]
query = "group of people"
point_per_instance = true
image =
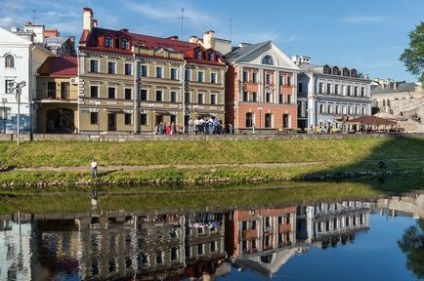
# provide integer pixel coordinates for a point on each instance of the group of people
(208, 126)
(171, 129)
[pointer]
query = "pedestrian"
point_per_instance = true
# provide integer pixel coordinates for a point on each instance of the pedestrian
(93, 166)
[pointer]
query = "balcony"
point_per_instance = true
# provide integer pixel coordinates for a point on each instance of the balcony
(284, 228)
(250, 234)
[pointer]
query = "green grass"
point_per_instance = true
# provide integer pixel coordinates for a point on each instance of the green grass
(325, 158)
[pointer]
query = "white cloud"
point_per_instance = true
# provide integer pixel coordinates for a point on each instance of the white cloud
(7, 22)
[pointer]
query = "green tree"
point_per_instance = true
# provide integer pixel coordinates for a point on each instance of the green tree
(412, 245)
(413, 57)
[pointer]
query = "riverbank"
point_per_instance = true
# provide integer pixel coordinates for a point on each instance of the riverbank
(52, 164)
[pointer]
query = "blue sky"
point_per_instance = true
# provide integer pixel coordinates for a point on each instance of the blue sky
(368, 35)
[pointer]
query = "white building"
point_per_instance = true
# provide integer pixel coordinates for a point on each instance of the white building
(19, 60)
(330, 95)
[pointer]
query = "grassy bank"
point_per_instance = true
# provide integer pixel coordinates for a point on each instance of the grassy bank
(59, 163)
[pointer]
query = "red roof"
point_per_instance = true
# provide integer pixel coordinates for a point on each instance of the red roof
(59, 67)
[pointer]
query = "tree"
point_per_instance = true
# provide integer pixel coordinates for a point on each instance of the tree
(412, 244)
(413, 57)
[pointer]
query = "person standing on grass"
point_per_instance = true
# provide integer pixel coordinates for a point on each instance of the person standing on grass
(93, 166)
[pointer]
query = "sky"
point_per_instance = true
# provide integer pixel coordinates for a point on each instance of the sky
(368, 35)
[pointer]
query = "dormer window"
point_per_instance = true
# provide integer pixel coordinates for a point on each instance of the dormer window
(267, 60)
(197, 54)
(9, 61)
(336, 70)
(327, 69)
(346, 72)
(353, 73)
(210, 56)
(125, 44)
(108, 42)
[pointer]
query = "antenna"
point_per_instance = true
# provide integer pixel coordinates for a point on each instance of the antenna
(182, 23)
(231, 29)
(33, 15)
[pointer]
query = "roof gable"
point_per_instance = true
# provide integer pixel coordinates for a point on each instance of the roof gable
(59, 66)
(8, 37)
(266, 53)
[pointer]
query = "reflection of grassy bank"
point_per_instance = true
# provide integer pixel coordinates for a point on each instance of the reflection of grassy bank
(313, 158)
(156, 197)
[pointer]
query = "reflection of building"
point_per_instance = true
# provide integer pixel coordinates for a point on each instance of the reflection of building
(332, 222)
(205, 243)
(15, 248)
(261, 239)
(410, 204)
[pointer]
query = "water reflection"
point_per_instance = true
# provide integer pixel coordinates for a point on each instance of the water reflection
(182, 245)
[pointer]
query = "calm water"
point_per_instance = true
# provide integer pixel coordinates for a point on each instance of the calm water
(346, 240)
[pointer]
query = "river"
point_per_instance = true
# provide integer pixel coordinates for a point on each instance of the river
(343, 240)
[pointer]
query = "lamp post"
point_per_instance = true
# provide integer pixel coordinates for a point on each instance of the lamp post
(98, 117)
(4, 101)
(260, 119)
(17, 88)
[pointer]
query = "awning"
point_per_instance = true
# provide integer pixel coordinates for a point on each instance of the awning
(371, 120)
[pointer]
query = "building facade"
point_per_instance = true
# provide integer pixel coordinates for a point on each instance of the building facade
(260, 89)
(131, 83)
(328, 96)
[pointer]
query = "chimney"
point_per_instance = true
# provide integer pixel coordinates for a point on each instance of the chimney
(95, 23)
(209, 39)
(193, 39)
(88, 21)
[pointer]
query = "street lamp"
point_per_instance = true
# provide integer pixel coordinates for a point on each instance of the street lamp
(17, 88)
(260, 119)
(4, 101)
(98, 117)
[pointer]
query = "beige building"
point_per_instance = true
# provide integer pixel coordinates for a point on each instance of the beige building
(130, 83)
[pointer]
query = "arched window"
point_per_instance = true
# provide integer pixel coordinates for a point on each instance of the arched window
(267, 60)
(9, 61)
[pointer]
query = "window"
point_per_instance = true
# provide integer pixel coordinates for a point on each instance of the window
(330, 109)
(51, 90)
(94, 118)
(337, 109)
(94, 66)
(255, 97)
(187, 75)
(245, 76)
(200, 250)
(173, 96)
(268, 97)
(356, 91)
(321, 88)
(173, 73)
(211, 56)
(362, 91)
(200, 76)
(143, 95)
(187, 97)
(249, 119)
(128, 69)
(108, 42)
(158, 95)
(213, 99)
(197, 54)
(143, 70)
(281, 80)
(321, 108)
(364, 111)
(268, 120)
(255, 77)
(9, 61)
(286, 119)
(289, 81)
(159, 258)
(289, 99)
(336, 89)
(300, 87)
(125, 44)
(281, 98)
(111, 67)
(143, 119)
(245, 96)
(128, 118)
(267, 60)
(111, 92)
(128, 94)
(174, 254)
(8, 85)
(349, 90)
(200, 98)
(213, 246)
(213, 78)
(268, 78)
(328, 88)
(159, 71)
(94, 91)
